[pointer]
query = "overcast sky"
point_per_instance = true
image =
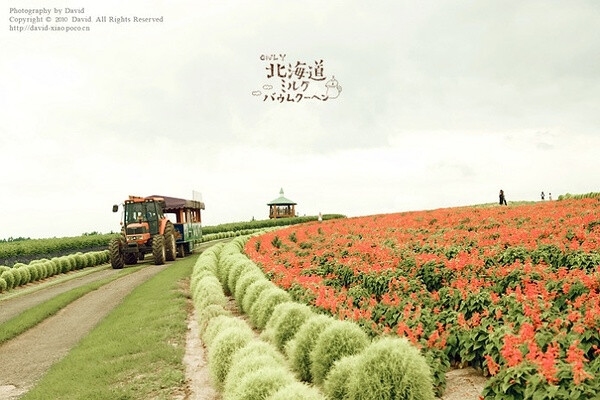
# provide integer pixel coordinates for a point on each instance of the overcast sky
(442, 103)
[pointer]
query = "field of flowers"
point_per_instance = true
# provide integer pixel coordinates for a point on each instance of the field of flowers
(512, 291)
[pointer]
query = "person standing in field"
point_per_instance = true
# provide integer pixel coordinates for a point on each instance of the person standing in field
(502, 198)
(542, 196)
(550, 196)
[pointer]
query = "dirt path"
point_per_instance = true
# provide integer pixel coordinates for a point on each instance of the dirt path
(16, 305)
(199, 382)
(463, 384)
(26, 358)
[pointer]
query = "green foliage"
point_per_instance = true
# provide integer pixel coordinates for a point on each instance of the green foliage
(266, 223)
(207, 313)
(391, 368)
(208, 291)
(237, 270)
(252, 293)
(244, 282)
(260, 384)
(252, 357)
(297, 391)
(9, 277)
(219, 324)
(341, 338)
(3, 285)
(568, 196)
(285, 322)
(336, 384)
(47, 247)
(268, 299)
(225, 344)
(298, 349)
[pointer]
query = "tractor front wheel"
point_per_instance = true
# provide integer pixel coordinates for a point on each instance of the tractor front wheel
(130, 258)
(171, 247)
(158, 249)
(115, 248)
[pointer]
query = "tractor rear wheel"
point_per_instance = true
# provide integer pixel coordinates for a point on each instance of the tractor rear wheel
(130, 258)
(115, 248)
(180, 250)
(170, 246)
(158, 249)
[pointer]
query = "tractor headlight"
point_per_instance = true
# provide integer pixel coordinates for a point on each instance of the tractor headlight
(134, 237)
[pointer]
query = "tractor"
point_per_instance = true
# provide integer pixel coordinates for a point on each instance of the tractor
(146, 229)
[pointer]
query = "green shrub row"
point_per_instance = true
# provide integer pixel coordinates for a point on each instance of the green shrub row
(241, 365)
(264, 223)
(52, 245)
(228, 234)
(22, 274)
(590, 195)
(319, 348)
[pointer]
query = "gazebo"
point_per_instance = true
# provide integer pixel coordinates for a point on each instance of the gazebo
(281, 207)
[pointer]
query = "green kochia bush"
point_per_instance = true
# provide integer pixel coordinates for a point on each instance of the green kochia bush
(297, 391)
(225, 344)
(220, 323)
(391, 368)
(260, 384)
(301, 346)
(9, 277)
(261, 310)
(237, 270)
(35, 272)
(285, 322)
(244, 282)
(207, 313)
(252, 293)
(252, 357)
(208, 291)
(341, 338)
(336, 384)
(3, 285)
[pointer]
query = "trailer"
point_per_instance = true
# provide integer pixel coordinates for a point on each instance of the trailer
(187, 220)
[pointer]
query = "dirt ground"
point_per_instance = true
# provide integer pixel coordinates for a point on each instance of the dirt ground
(463, 384)
(26, 358)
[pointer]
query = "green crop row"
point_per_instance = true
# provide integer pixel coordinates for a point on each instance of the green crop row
(590, 195)
(52, 245)
(320, 349)
(22, 274)
(264, 223)
(228, 234)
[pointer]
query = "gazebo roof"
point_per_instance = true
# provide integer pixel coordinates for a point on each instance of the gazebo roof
(281, 201)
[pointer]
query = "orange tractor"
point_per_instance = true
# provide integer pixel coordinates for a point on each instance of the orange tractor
(146, 229)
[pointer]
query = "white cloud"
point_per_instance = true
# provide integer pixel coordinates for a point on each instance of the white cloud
(442, 104)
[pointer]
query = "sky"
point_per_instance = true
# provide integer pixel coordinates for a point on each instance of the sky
(434, 104)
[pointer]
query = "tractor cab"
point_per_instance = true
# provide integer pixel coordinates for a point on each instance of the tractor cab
(142, 218)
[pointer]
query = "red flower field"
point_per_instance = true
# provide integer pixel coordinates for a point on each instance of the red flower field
(512, 291)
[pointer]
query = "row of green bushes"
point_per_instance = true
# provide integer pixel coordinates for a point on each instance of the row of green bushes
(264, 223)
(242, 366)
(52, 245)
(22, 274)
(590, 195)
(228, 234)
(320, 349)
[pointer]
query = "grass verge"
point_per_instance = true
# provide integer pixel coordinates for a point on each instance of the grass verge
(136, 352)
(33, 316)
